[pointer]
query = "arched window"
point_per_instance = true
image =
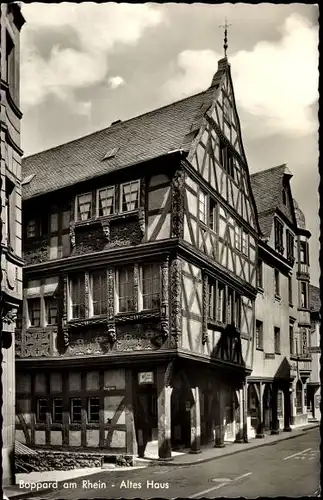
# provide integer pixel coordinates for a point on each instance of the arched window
(299, 404)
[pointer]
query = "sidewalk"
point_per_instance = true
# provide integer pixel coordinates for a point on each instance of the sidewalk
(207, 454)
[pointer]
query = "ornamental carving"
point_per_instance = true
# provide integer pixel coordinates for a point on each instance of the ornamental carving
(37, 251)
(86, 293)
(175, 287)
(110, 295)
(205, 310)
(106, 229)
(124, 233)
(64, 298)
(88, 239)
(178, 193)
(18, 344)
(72, 234)
(142, 221)
(135, 286)
(37, 343)
(169, 373)
(164, 309)
(10, 317)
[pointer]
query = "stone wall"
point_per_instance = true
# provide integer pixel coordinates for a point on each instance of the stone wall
(52, 460)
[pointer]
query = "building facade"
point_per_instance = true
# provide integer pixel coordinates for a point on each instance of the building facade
(282, 360)
(314, 385)
(140, 283)
(11, 21)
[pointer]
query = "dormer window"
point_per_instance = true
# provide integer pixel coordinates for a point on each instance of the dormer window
(284, 196)
(129, 196)
(279, 228)
(84, 206)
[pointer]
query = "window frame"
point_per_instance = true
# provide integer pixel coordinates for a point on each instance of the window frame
(97, 208)
(277, 340)
(30, 301)
(103, 300)
(305, 285)
(119, 297)
(154, 278)
(72, 400)
(137, 181)
(260, 273)
(204, 203)
(89, 413)
(79, 277)
(38, 420)
(54, 411)
(47, 300)
(279, 236)
(291, 339)
(277, 282)
(78, 217)
(260, 335)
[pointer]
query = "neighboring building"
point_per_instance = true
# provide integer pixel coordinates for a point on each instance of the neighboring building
(11, 21)
(314, 385)
(140, 243)
(282, 362)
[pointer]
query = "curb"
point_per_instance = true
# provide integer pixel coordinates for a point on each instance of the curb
(31, 494)
(234, 452)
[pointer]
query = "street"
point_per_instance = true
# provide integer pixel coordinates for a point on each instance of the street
(287, 468)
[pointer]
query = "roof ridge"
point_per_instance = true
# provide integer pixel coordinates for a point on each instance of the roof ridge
(268, 169)
(118, 124)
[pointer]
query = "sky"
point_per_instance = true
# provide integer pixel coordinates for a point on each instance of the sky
(86, 65)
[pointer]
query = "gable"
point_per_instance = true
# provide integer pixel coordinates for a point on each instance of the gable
(218, 154)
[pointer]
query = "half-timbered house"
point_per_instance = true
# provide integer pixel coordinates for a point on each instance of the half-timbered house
(282, 362)
(11, 22)
(140, 243)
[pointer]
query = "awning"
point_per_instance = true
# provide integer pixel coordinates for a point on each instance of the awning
(50, 286)
(33, 289)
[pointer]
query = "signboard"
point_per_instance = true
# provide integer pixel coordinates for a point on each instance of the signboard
(314, 349)
(146, 378)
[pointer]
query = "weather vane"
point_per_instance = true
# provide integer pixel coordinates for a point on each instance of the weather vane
(225, 26)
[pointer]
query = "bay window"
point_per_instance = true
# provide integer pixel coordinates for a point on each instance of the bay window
(77, 294)
(129, 196)
(150, 286)
(126, 289)
(303, 252)
(99, 292)
(303, 295)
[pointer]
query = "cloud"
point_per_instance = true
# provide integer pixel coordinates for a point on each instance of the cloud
(276, 83)
(97, 29)
(115, 81)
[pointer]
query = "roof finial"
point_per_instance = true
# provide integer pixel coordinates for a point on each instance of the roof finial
(225, 26)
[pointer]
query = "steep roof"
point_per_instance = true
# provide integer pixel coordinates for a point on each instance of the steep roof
(138, 139)
(267, 190)
(314, 298)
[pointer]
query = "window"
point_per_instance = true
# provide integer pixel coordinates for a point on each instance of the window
(58, 410)
(260, 264)
(279, 244)
(245, 243)
(290, 246)
(212, 215)
(31, 229)
(259, 335)
(51, 310)
(303, 252)
(220, 303)
(291, 339)
(290, 290)
(299, 397)
(230, 308)
(34, 312)
(211, 296)
(84, 206)
(304, 295)
(202, 207)
(277, 282)
(126, 289)
(230, 164)
(277, 340)
(150, 286)
(237, 238)
(99, 293)
(41, 410)
(284, 193)
(129, 196)
(59, 228)
(76, 410)
(94, 409)
(227, 111)
(77, 293)
(226, 159)
(106, 201)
